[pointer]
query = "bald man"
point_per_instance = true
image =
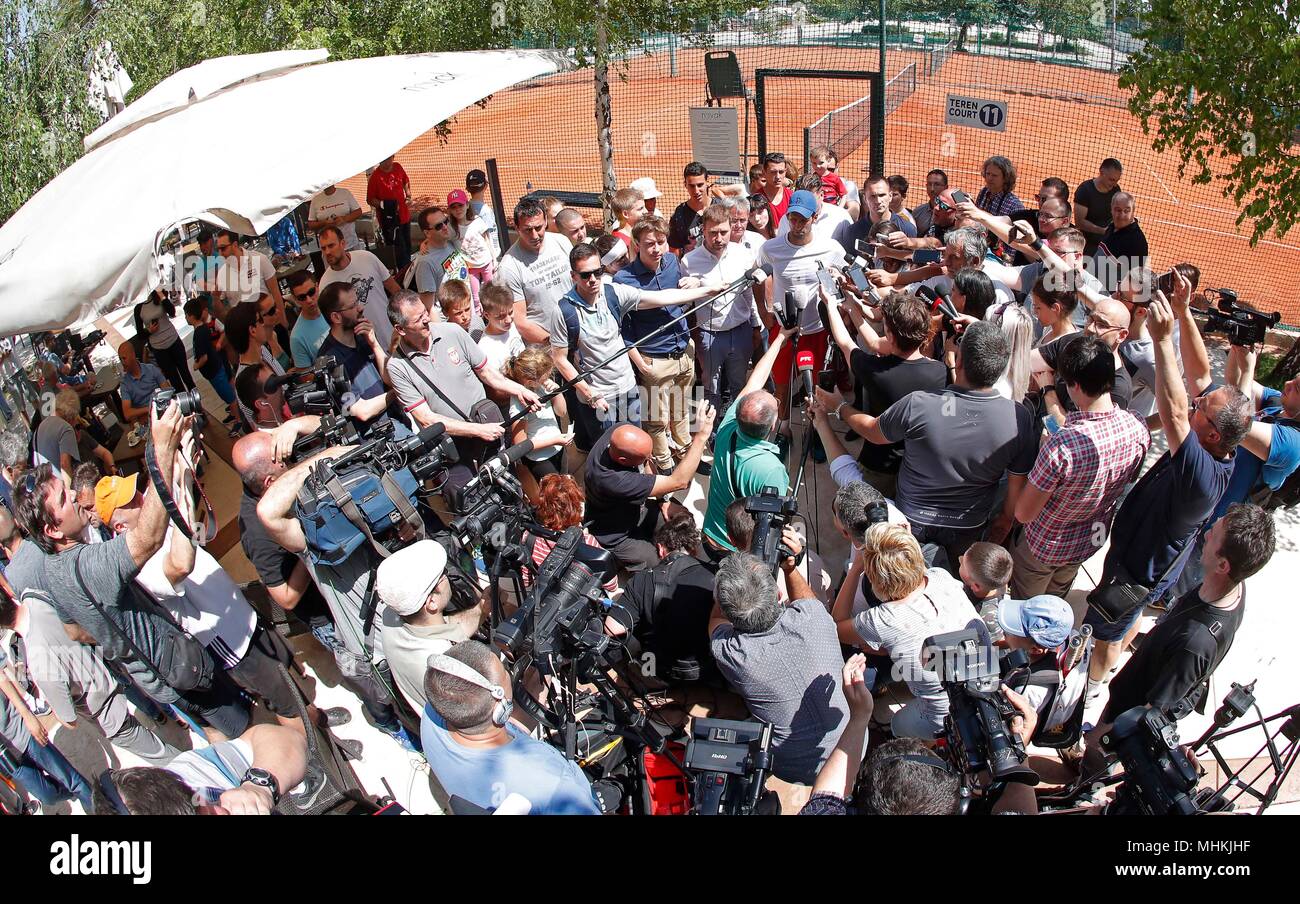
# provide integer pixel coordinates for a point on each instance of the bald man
(624, 492)
(1109, 322)
(139, 383)
(260, 458)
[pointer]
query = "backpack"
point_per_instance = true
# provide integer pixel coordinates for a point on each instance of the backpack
(342, 510)
(569, 310)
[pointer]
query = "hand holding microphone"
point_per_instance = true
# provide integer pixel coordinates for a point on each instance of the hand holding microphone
(806, 362)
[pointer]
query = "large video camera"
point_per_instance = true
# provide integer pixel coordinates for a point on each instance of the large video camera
(366, 493)
(320, 389)
(562, 615)
(729, 762)
(977, 729)
(1242, 324)
(772, 512)
(1159, 779)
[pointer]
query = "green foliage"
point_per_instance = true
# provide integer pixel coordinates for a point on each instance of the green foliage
(1216, 83)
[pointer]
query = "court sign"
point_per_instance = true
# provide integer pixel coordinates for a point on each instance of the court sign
(975, 113)
(714, 139)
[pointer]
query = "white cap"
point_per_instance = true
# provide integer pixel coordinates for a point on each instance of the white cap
(407, 577)
(646, 186)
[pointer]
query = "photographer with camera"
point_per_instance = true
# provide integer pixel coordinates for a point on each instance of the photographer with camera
(477, 754)
(918, 603)
(783, 659)
(1156, 527)
(421, 614)
(671, 604)
(1040, 626)
(624, 496)
(352, 342)
(1171, 670)
(344, 586)
(441, 377)
(94, 586)
(746, 458)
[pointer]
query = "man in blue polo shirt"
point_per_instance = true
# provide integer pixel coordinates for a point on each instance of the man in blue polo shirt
(139, 383)
(666, 364)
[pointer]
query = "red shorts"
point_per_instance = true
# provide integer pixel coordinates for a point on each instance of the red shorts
(817, 343)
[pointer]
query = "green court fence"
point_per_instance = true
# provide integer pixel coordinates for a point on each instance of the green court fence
(1055, 85)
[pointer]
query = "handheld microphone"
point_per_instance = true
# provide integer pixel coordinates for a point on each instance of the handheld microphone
(806, 361)
(759, 274)
(790, 315)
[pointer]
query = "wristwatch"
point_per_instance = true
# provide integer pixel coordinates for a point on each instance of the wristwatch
(264, 779)
(1036, 244)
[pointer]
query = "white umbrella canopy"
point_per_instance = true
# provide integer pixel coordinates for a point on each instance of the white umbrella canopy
(241, 157)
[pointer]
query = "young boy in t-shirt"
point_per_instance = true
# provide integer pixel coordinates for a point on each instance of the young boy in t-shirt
(833, 188)
(500, 340)
(629, 207)
(458, 306)
(209, 357)
(985, 570)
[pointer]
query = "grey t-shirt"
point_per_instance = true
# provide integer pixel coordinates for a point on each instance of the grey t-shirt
(429, 268)
(344, 588)
(538, 279)
(452, 364)
(790, 675)
(1139, 356)
(55, 437)
(109, 573)
(957, 445)
(600, 336)
(900, 629)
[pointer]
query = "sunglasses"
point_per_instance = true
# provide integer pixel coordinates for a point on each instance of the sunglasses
(441, 224)
(591, 274)
(304, 296)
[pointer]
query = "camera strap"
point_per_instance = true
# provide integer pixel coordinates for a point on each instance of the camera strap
(348, 506)
(202, 533)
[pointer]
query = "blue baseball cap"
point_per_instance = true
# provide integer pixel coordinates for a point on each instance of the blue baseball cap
(1046, 620)
(802, 203)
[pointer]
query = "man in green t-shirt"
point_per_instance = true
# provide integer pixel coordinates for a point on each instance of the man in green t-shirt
(745, 458)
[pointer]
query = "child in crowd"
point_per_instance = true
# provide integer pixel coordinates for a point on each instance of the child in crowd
(834, 191)
(534, 369)
(500, 340)
(209, 357)
(898, 197)
(629, 207)
(458, 307)
(985, 569)
(470, 233)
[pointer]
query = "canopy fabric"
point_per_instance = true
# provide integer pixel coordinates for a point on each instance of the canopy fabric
(198, 83)
(230, 159)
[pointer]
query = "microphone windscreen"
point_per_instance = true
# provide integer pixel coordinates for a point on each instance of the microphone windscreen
(807, 361)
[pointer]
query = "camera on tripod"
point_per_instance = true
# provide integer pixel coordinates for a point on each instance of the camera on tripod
(1242, 325)
(977, 729)
(772, 512)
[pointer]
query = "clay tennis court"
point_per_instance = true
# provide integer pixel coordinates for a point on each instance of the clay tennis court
(1061, 121)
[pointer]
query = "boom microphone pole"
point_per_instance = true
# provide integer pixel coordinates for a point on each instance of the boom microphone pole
(753, 277)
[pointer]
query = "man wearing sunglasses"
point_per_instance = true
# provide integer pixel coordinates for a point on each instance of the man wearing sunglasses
(435, 250)
(588, 332)
(311, 328)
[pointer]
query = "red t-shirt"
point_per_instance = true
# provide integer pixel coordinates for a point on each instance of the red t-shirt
(391, 186)
(833, 188)
(778, 210)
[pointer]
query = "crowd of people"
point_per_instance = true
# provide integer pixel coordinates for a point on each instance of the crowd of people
(1004, 370)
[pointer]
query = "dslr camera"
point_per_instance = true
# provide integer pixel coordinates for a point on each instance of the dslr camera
(977, 728)
(190, 402)
(1242, 324)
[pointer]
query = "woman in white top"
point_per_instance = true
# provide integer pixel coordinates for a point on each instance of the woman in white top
(470, 233)
(919, 603)
(153, 320)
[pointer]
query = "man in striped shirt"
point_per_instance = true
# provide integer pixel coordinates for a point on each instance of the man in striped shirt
(1070, 499)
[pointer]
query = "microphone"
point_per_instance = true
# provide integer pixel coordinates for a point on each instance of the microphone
(801, 300)
(508, 458)
(759, 274)
(807, 361)
(792, 309)
(278, 380)
(931, 295)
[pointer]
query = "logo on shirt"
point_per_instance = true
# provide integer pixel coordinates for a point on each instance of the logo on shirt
(453, 355)
(362, 286)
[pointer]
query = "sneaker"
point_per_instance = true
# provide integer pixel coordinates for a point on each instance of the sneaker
(351, 748)
(409, 744)
(336, 716)
(304, 796)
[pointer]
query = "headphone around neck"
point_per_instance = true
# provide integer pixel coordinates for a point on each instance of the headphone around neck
(501, 711)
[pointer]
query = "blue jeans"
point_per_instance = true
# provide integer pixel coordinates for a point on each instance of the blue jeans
(724, 357)
(50, 778)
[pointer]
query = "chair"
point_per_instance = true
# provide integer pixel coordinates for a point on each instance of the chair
(724, 79)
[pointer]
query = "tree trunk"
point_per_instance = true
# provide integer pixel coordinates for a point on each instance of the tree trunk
(961, 37)
(603, 117)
